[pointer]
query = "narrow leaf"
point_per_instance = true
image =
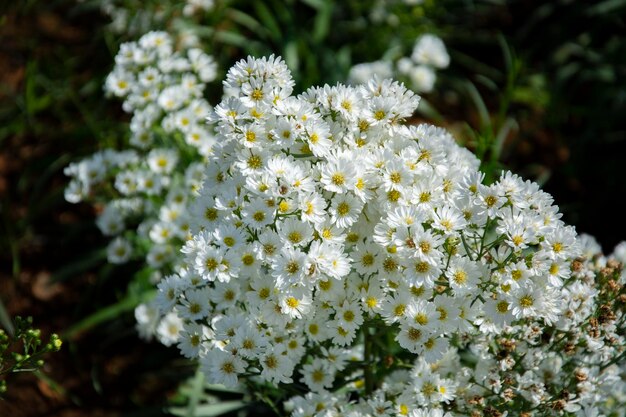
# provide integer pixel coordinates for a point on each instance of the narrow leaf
(107, 313)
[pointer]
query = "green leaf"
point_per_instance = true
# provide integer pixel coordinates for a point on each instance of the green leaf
(607, 6)
(429, 111)
(267, 19)
(208, 410)
(248, 22)
(481, 107)
(322, 21)
(291, 56)
(85, 263)
(231, 38)
(5, 320)
(108, 313)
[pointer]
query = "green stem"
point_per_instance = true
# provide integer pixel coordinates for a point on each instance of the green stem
(367, 359)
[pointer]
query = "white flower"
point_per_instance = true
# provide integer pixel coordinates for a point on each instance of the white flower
(317, 376)
(119, 251)
(345, 210)
(338, 175)
(169, 328)
(430, 50)
(222, 367)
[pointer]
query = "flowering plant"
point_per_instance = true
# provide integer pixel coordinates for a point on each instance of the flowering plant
(343, 262)
(145, 188)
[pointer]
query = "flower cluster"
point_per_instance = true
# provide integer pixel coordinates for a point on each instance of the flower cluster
(336, 251)
(145, 189)
(429, 54)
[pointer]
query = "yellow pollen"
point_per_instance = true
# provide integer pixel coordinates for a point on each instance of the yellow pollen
(399, 310)
(491, 201)
(269, 249)
(526, 301)
(327, 234)
(314, 329)
(414, 334)
(394, 196)
(229, 241)
(229, 295)
(422, 267)
(314, 138)
(295, 237)
(395, 177)
(429, 344)
(250, 136)
(264, 293)
(210, 214)
(259, 216)
(338, 179)
(292, 267)
(211, 264)
(292, 302)
(557, 247)
(421, 318)
(390, 265)
(283, 206)
(228, 368)
(346, 105)
(324, 285)
(343, 208)
(424, 246)
(318, 375)
(379, 114)
(367, 259)
(502, 307)
(425, 197)
(417, 291)
(271, 362)
(371, 301)
(443, 313)
(255, 162)
(516, 274)
(348, 316)
(517, 240)
(247, 259)
(257, 94)
(554, 269)
(460, 277)
(352, 237)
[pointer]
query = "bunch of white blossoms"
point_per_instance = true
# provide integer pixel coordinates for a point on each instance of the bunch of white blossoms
(145, 189)
(429, 54)
(339, 254)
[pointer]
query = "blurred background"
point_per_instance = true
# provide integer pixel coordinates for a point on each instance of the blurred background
(534, 87)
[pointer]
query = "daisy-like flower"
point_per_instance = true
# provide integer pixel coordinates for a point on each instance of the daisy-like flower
(338, 175)
(345, 210)
(317, 376)
(295, 233)
(222, 367)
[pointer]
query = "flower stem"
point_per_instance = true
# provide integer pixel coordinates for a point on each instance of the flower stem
(368, 359)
